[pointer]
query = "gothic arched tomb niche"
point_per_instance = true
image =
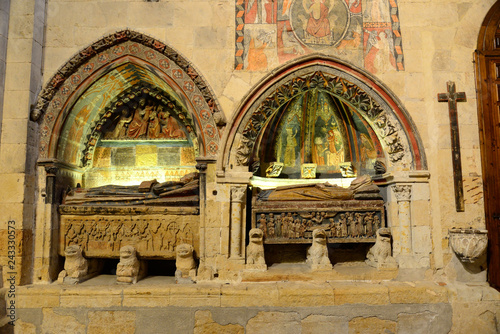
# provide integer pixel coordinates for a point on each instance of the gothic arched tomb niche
(127, 127)
(325, 111)
(317, 127)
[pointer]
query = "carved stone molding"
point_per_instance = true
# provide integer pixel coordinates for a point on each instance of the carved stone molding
(238, 194)
(384, 124)
(89, 64)
(402, 192)
(105, 43)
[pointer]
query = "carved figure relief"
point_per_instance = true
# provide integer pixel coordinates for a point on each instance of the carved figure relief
(129, 267)
(105, 236)
(317, 254)
(184, 263)
(75, 266)
(255, 250)
(298, 226)
(380, 255)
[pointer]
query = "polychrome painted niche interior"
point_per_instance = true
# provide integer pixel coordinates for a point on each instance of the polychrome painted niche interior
(127, 127)
(316, 128)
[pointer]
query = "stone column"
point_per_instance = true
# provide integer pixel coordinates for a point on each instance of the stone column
(403, 197)
(237, 198)
(202, 169)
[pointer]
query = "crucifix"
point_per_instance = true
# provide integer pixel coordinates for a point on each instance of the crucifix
(452, 97)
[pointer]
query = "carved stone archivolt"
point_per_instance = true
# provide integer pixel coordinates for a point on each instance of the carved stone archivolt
(90, 63)
(377, 114)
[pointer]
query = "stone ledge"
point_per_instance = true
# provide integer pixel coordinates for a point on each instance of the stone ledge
(271, 294)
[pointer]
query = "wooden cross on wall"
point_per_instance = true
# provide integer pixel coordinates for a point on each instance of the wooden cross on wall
(452, 97)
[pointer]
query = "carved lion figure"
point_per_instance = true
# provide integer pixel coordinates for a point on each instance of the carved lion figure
(380, 253)
(255, 249)
(317, 254)
(127, 270)
(184, 262)
(75, 265)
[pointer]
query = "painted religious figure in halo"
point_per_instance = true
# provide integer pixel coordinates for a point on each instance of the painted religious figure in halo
(364, 32)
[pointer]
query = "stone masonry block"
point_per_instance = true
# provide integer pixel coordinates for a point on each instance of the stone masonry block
(146, 296)
(111, 322)
(249, 295)
(305, 294)
(274, 322)
(360, 293)
(419, 293)
(195, 295)
(86, 296)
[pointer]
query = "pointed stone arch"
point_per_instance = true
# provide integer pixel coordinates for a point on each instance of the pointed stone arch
(380, 108)
(75, 76)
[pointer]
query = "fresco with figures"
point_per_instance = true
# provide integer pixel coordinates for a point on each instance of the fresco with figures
(366, 33)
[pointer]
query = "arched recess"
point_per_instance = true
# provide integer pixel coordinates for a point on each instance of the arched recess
(488, 96)
(84, 103)
(160, 66)
(358, 91)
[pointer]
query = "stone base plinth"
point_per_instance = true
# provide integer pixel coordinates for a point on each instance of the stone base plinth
(157, 304)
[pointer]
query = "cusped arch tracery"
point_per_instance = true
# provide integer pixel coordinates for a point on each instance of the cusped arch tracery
(379, 109)
(58, 97)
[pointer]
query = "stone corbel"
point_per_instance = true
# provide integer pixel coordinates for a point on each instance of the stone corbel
(237, 204)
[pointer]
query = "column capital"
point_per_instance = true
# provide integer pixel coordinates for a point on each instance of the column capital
(238, 193)
(402, 192)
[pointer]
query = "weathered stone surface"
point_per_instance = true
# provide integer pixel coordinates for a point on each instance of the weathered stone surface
(104, 322)
(305, 294)
(205, 324)
(90, 296)
(250, 295)
(22, 327)
(371, 325)
(360, 293)
(55, 323)
(425, 292)
(274, 322)
(315, 324)
(415, 323)
(476, 317)
(195, 295)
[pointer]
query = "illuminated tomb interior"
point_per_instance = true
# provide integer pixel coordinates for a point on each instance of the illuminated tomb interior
(127, 127)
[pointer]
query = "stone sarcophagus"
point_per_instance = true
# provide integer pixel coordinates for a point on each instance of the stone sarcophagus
(153, 217)
(347, 215)
(153, 231)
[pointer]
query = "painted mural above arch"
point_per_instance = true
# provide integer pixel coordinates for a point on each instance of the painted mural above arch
(389, 132)
(365, 32)
(170, 69)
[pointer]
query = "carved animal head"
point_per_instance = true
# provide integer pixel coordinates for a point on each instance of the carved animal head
(256, 235)
(127, 252)
(184, 251)
(73, 251)
(319, 236)
(384, 234)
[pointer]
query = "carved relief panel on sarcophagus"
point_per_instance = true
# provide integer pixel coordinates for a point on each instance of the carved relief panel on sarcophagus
(153, 234)
(290, 214)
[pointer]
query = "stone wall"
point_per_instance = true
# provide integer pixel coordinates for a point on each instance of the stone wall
(283, 307)
(438, 39)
